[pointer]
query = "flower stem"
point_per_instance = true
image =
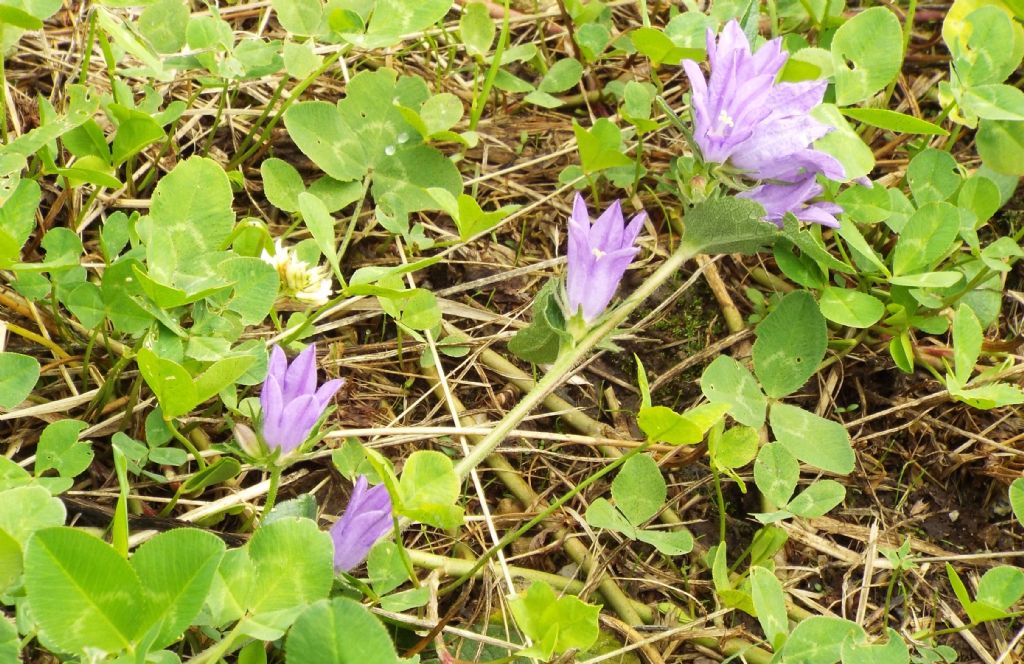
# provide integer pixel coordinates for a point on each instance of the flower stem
(275, 481)
(200, 461)
(570, 358)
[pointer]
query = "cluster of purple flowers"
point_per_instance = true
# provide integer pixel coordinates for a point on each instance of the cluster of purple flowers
(744, 118)
(292, 405)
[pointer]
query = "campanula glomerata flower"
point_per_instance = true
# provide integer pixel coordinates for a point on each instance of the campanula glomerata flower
(367, 518)
(763, 129)
(599, 254)
(292, 402)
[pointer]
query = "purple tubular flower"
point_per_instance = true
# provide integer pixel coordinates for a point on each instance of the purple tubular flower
(599, 254)
(367, 518)
(763, 128)
(291, 401)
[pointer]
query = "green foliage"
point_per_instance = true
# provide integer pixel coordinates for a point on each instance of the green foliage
(727, 381)
(429, 489)
(544, 338)
(790, 344)
(18, 375)
(339, 631)
(867, 53)
(554, 624)
(1000, 588)
(727, 225)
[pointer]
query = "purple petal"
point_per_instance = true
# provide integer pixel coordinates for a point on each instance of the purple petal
(273, 414)
(327, 392)
(301, 376)
(278, 364)
(366, 519)
(606, 233)
(302, 415)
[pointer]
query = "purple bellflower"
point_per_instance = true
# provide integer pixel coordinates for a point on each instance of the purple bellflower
(599, 254)
(762, 128)
(367, 518)
(291, 401)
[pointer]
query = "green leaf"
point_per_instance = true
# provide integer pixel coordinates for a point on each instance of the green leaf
(292, 564)
(600, 146)
(770, 605)
(321, 224)
(994, 102)
(727, 381)
(476, 29)
(472, 219)
(894, 651)
(1001, 145)
(60, 449)
(735, 448)
(898, 122)
(542, 340)
(19, 19)
(814, 440)
(319, 130)
(26, 509)
(843, 143)
(83, 595)
(562, 75)
(339, 631)
(727, 225)
(867, 53)
(441, 112)
(817, 499)
(135, 130)
(933, 176)
(790, 344)
(1017, 499)
(385, 566)
(170, 382)
(1001, 586)
(927, 236)
(664, 425)
(300, 60)
(394, 19)
(819, 640)
(282, 184)
(176, 569)
(193, 203)
(221, 470)
(776, 473)
(967, 340)
(299, 17)
(86, 303)
(659, 48)
(18, 375)
(430, 489)
(668, 542)
(164, 24)
(17, 221)
(10, 642)
(986, 44)
(639, 489)
(11, 566)
(928, 280)
(851, 308)
(602, 514)
(555, 624)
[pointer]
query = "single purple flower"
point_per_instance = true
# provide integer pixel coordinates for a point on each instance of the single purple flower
(599, 254)
(762, 128)
(291, 402)
(367, 518)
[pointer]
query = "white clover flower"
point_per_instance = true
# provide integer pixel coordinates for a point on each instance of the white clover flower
(300, 281)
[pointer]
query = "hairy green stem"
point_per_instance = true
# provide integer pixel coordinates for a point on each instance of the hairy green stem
(569, 359)
(275, 482)
(200, 461)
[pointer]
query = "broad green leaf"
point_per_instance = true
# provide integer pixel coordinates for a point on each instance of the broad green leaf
(164, 24)
(300, 60)
(562, 75)
(893, 651)
(83, 595)
(18, 375)
(441, 112)
(135, 130)
(11, 564)
(817, 499)
(790, 344)
(668, 542)
(639, 489)
(600, 146)
(1001, 586)
(659, 48)
(319, 130)
(735, 448)
(849, 307)
(293, 565)
(221, 470)
(385, 565)
(176, 569)
(430, 489)
(932, 176)
(282, 184)
(10, 642)
(26, 509)
(170, 382)
(542, 340)
(985, 42)
(1001, 145)
(664, 425)
(727, 381)
(994, 102)
(472, 219)
(927, 236)
(865, 205)
(776, 473)
(299, 17)
(193, 203)
(86, 303)
(899, 122)
(555, 624)
(843, 142)
(17, 221)
(814, 440)
(394, 19)
(867, 53)
(770, 604)
(60, 449)
(967, 340)
(256, 284)
(1017, 499)
(928, 280)
(727, 225)
(321, 224)
(819, 639)
(476, 29)
(339, 631)
(602, 514)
